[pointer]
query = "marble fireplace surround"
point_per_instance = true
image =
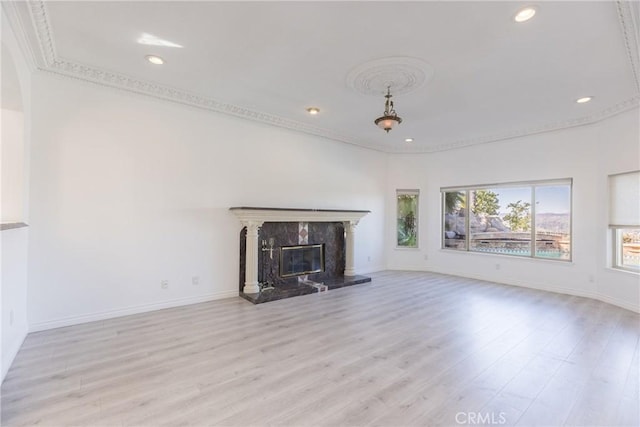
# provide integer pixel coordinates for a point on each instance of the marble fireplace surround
(253, 219)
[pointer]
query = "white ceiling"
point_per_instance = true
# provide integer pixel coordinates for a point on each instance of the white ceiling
(267, 61)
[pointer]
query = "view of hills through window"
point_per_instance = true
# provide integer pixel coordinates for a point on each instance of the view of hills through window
(503, 219)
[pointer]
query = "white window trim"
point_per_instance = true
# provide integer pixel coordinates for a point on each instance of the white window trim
(616, 255)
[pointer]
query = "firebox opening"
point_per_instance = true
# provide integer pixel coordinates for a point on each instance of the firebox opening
(303, 259)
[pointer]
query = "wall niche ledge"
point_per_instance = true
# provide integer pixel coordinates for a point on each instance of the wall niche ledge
(12, 225)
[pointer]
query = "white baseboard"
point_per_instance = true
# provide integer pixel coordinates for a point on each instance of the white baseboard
(11, 354)
(545, 287)
(110, 314)
(371, 269)
(75, 320)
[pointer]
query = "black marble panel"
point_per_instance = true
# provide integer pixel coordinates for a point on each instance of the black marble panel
(282, 291)
(296, 289)
(330, 234)
(342, 281)
(284, 234)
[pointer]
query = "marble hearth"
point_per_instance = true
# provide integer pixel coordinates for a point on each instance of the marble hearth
(266, 230)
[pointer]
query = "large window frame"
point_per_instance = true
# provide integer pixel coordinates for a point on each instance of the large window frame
(624, 221)
(459, 200)
(407, 235)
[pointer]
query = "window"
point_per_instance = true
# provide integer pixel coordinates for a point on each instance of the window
(627, 248)
(407, 218)
(455, 224)
(624, 220)
(531, 219)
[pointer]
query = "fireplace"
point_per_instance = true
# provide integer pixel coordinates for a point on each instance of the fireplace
(286, 252)
(300, 260)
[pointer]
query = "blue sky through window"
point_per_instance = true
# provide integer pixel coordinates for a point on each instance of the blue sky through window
(549, 199)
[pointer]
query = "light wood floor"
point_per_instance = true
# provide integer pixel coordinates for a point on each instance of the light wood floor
(407, 349)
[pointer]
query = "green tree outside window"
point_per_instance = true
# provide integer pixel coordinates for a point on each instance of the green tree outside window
(519, 216)
(485, 203)
(407, 227)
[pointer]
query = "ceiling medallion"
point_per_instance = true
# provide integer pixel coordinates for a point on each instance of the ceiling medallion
(405, 74)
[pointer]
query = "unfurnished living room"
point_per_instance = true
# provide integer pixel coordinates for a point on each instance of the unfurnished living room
(329, 213)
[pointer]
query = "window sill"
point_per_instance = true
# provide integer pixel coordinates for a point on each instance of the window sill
(568, 262)
(623, 271)
(400, 248)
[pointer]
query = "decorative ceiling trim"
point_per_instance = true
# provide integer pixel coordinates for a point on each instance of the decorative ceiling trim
(44, 33)
(50, 62)
(402, 74)
(614, 110)
(629, 27)
(54, 64)
(120, 81)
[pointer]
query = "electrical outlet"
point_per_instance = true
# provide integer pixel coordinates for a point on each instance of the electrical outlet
(195, 280)
(164, 284)
(369, 258)
(591, 278)
(497, 266)
(426, 257)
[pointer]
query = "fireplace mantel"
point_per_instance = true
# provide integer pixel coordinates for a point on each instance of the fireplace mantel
(254, 217)
(260, 215)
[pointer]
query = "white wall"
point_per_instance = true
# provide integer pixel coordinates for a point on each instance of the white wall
(14, 293)
(127, 191)
(14, 243)
(618, 151)
(13, 174)
(587, 154)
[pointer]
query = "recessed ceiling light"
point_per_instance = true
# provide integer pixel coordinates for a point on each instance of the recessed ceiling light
(155, 60)
(584, 99)
(313, 110)
(408, 140)
(525, 14)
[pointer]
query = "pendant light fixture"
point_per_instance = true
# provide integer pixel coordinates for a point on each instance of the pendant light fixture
(389, 118)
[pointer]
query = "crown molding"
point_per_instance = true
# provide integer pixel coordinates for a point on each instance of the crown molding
(114, 80)
(628, 105)
(51, 62)
(41, 35)
(630, 29)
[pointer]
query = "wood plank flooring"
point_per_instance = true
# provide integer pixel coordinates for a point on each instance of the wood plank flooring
(408, 349)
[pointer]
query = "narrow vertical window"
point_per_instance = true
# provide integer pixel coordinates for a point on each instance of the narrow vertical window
(624, 220)
(407, 218)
